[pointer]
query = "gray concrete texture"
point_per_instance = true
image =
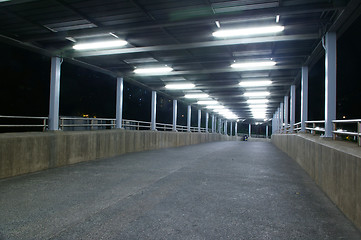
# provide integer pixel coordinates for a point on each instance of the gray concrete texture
(335, 166)
(220, 190)
(22, 153)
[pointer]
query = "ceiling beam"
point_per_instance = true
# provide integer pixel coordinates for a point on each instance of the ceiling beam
(248, 15)
(219, 70)
(215, 43)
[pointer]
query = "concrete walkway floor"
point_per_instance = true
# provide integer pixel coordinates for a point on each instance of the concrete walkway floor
(223, 190)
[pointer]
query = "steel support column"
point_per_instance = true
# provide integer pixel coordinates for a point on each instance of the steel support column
(292, 107)
(330, 82)
(266, 131)
(249, 130)
(175, 109)
(213, 123)
(281, 116)
(235, 128)
(189, 112)
(207, 121)
(225, 127)
(278, 120)
(54, 94)
(220, 125)
(286, 112)
(199, 119)
(304, 98)
(230, 129)
(119, 110)
(154, 112)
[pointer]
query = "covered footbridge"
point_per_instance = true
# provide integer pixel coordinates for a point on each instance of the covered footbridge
(235, 64)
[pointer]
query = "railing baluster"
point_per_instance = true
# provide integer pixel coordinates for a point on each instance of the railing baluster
(359, 133)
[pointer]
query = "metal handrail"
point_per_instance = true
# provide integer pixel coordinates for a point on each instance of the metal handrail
(44, 124)
(97, 122)
(315, 126)
(318, 126)
(337, 132)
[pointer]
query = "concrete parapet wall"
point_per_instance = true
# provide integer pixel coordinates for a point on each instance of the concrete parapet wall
(334, 165)
(22, 153)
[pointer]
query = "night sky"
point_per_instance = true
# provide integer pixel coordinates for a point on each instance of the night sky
(25, 82)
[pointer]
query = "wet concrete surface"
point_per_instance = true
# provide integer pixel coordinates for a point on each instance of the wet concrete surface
(222, 190)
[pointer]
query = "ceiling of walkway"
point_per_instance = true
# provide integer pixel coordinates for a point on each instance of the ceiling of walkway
(179, 34)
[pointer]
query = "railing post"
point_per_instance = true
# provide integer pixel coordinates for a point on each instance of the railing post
(313, 127)
(359, 133)
(44, 124)
(62, 124)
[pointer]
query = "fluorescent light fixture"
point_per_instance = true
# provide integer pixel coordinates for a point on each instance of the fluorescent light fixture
(248, 31)
(257, 101)
(220, 111)
(259, 116)
(100, 45)
(277, 18)
(196, 95)
(256, 94)
(257, 106)
(179, 86)
(207, 102)
(154, 70)
(67, 38)
(114, 35)
(215, 107)
(247, 65)
(218, 24)
(231, 116)
(255, 83)
(4, 1)
(258, 111)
